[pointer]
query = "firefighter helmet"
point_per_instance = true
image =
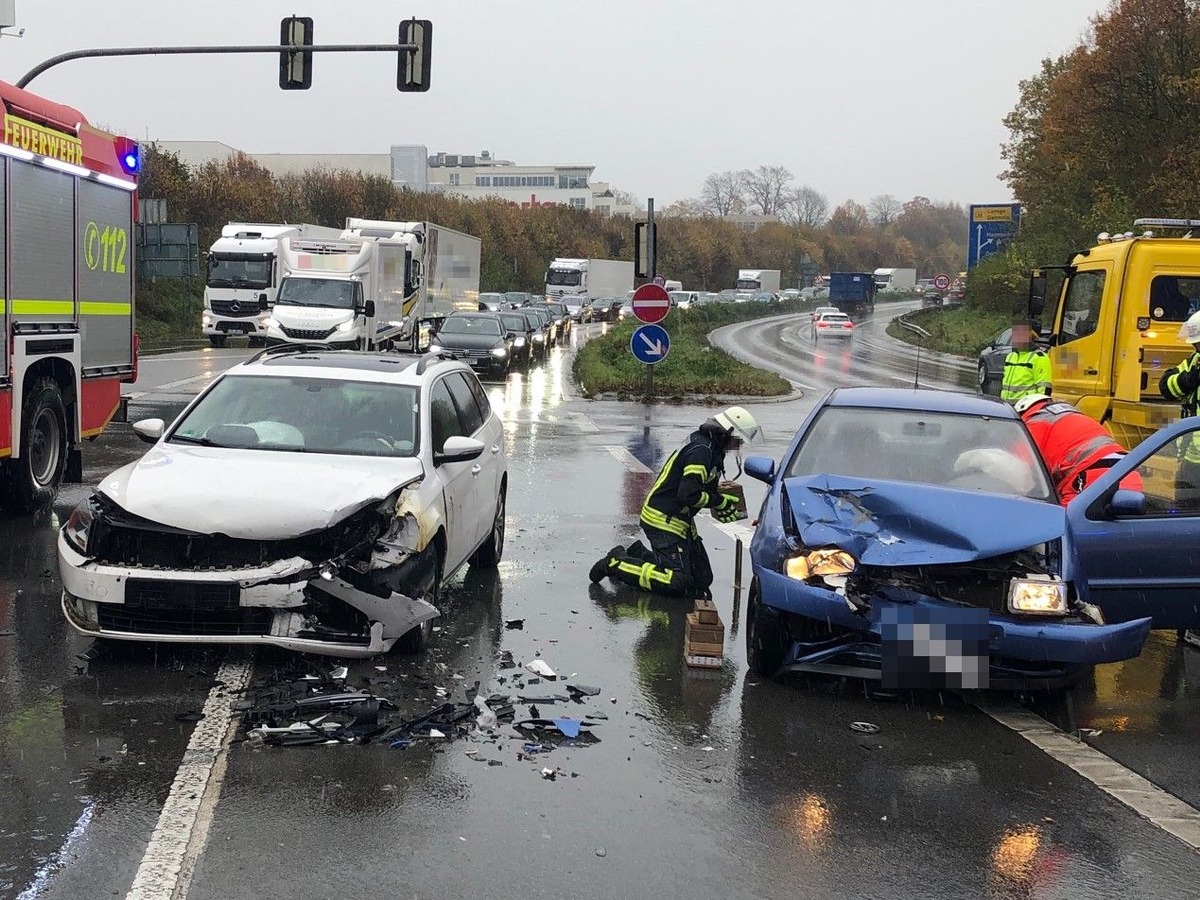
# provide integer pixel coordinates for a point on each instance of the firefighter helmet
(1028, 401)
(1190, 331)
(740, 425)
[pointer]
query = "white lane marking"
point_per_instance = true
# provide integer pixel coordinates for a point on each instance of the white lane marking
(1144, 797)
(172, 851)
(163, 388)
(45, 873)
(629, 461)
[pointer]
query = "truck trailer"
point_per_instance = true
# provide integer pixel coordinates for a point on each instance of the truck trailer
(758, 280)
(581, 281)
(853, 293)
(380, 285)
(244, 270)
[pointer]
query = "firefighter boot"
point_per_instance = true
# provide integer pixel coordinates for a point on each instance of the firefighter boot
(601, 567)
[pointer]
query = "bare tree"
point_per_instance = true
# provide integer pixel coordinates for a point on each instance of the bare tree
(884, 210)
(724, 193)
(767, 188)
(807, 206)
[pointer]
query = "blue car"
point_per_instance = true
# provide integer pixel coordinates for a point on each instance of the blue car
(914, 536)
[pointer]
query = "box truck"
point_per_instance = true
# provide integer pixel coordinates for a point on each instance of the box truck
(380, 285)
(758, 280)
(580, 281)
(895, 280)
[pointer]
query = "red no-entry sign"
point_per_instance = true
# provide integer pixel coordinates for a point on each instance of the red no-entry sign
(651, 303)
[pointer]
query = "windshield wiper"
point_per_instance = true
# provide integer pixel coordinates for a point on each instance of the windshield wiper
(187, 439)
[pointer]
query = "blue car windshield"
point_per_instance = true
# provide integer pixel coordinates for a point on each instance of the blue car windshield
(968, 452)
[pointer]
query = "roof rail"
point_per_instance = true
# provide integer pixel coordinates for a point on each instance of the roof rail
(280, 349)
(433, 356)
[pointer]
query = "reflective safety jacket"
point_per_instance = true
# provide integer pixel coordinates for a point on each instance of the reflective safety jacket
(687, 483)
(1075, 447)
(1182, 383)
(1025, 372)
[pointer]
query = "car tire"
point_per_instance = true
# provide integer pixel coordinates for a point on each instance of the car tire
(983, 379)
(489, 552)
(766, 635)
(429, 589)
(32, 481)
(217, 340)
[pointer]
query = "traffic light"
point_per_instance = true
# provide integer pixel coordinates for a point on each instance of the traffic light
(295, 66)
(413, 73)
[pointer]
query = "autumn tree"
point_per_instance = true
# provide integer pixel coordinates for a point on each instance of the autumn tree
(724, 193)
(807, 206)
(883, 210)
(1111, 130)
(767, 188)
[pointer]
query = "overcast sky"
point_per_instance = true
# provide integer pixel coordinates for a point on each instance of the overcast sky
(857, 97)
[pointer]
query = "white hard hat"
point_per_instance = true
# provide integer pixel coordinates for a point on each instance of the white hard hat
(740, 424)
(1029, 400)
(1190, 331)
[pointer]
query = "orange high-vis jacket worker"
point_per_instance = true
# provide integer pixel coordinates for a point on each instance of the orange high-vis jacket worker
(1075, 447)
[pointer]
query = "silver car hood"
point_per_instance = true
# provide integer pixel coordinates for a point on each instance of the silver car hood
(253, 494)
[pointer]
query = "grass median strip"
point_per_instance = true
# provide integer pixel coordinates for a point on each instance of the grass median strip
(960, 330)
(693, 367)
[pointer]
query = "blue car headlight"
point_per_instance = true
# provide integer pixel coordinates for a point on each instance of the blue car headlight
(829, 562)
(1041, 595)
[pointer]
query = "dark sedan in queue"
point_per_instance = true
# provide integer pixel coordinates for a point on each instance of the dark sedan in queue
(478, 339)
(520, 331)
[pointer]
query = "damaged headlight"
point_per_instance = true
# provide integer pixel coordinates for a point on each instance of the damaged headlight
(819, 563)
(1037, 594)
(78, 529)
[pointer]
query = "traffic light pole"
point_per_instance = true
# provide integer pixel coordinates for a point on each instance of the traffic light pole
(651, 264)
(181, 51)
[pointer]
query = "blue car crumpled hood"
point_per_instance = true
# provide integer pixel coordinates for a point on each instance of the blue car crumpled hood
(893, 523)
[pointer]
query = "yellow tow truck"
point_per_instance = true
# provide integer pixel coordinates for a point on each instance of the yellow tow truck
(1113, 329)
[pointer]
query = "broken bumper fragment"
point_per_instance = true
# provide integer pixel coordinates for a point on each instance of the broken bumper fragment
(293, 603)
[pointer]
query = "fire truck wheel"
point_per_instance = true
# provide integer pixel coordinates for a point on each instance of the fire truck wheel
(31, 481)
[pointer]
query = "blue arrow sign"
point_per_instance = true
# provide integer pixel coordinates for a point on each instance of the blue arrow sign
(992, 227)
(650, 344)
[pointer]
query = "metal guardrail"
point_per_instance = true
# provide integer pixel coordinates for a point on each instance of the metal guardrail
(904, 323)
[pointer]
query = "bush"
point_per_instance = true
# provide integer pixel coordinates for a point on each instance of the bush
(605, 365)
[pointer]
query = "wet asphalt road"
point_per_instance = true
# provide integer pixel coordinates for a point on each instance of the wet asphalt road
(709, 784)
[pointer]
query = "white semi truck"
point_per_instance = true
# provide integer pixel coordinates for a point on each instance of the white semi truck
(243, 271)
(588, 280)
(895, 280)
(379, 285)
(758, 280)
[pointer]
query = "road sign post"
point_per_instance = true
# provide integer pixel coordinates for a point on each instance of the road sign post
(651, 271)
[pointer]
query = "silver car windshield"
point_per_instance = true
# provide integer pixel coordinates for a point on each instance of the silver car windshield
(304, 415)
(948, 449)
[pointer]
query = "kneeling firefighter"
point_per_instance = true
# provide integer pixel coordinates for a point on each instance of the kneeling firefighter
(676, 562)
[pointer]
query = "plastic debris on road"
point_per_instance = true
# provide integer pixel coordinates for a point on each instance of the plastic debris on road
(865, 727)
(539, 667)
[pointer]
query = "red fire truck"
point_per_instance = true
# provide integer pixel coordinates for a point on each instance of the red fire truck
(66, 241)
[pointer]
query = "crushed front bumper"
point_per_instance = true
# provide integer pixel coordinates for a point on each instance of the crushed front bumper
(269, 605)
(1015, 644)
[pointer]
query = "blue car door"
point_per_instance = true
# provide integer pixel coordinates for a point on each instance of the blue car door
(1143, 563)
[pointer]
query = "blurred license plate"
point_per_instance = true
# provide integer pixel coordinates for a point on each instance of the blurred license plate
(939, 648)
(235, 329)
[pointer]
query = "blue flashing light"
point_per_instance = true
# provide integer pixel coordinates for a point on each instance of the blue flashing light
(131, 159)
